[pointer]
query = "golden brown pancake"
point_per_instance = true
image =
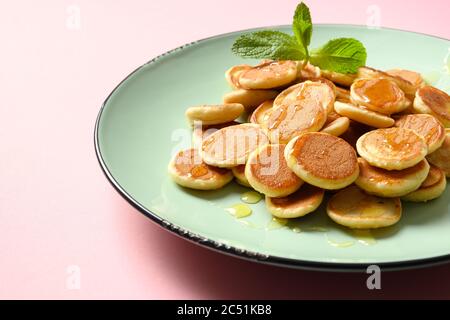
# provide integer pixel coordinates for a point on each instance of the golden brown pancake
(441, 157)
(261, 114)
(405, 85)
(230, 146)
(391, 183)
(363, 115)
(426, 126)
(370, 73)
(435, 102)
(269, 75)
(305, 200)
(188, 170)
(379, 95)
(337, 127)
(342, 79)
(393, 148)
(315, 91)
(433, 177)
(267, 172)
(354, 208)
(232, 75)
(250, 99)
(239, 174)
(414, 78)
(200, 132)
(432, 188)
(324, 81)
(214, 114)
(322, 160)
(291, 120)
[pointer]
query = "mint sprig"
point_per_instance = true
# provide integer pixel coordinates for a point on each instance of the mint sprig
(302, 27)
(343, 55)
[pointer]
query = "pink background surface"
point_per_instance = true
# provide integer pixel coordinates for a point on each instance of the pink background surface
(56, 207)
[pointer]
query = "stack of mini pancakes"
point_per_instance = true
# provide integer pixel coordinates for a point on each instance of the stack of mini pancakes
(304, 131)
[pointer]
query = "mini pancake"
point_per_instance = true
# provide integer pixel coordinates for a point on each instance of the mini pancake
(267, 172)
(307, 71)
(379, 95)
(291, 120)
(305, 200)
(363, 115)
(342, 79)
(250, 99)
(426, 126)
(392, 148)
(214, 114)
(414, 78)
(322, 160)
(188, 170)
(433, 101)
(269, 75)
(239, 174)
(324, 81)
(441, 157)
(337, 127)
(391, 183)
(230, 146)
(402, 82)
(354, 208)
(201, 132)
(290, 94)
(370, 73)
(431, 188)
(261, 114)
(232, 75)
(317, 91)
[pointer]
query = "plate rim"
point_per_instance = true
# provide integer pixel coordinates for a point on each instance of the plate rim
(233, 250)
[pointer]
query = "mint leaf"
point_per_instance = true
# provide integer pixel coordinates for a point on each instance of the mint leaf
(268, 45)
(302, 26)
(343, 55)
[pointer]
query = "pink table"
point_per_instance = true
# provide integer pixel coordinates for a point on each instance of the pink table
(64, 231)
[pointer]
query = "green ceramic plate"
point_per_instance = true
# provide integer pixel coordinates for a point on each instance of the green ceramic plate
(142, 123)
